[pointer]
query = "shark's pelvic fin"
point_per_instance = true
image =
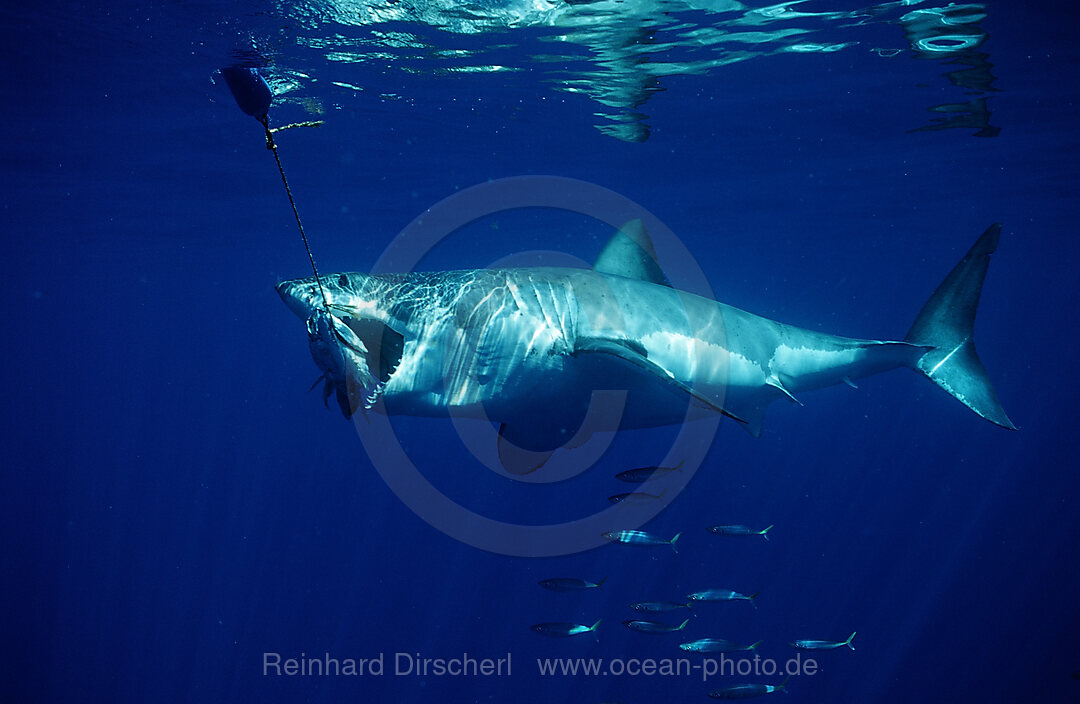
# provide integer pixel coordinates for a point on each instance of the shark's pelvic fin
(774, 381)
(947, 323)
(630, 253)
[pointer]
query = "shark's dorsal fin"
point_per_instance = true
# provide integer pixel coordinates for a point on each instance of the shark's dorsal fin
(630, 253)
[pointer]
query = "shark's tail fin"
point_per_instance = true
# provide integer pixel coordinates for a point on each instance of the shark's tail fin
(947, 324)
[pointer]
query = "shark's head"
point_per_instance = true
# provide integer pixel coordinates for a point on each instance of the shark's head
(356, 352)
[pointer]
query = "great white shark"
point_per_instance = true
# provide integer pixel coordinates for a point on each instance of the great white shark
(527, 347)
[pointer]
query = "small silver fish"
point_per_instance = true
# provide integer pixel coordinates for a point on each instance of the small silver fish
(563, 630)
(739, 530)
(822, 644)
(748, 691)
(721, 595)
(568, 584)
(639, 475)
(654, 626)
(716, 645)
(639, 537)
(636, 497)
(657, 606)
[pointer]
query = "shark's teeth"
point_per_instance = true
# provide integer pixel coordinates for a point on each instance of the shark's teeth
(371, 399)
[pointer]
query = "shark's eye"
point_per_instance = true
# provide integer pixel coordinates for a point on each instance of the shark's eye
(343, 281)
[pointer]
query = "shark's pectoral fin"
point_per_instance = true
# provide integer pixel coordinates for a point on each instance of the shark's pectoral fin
(518, 459)
(633, 353)
(630, 253)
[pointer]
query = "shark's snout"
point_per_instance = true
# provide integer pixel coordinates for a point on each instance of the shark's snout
(300, 295)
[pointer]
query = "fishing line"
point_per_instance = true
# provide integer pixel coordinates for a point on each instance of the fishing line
(272, 146)
(254, 97)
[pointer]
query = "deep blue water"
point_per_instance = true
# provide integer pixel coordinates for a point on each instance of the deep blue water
(175, 505)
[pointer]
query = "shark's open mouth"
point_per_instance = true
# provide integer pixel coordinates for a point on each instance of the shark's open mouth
(384, 346)
(368, 353)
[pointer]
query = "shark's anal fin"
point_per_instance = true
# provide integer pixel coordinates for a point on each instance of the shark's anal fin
(632, 353)
(630, 253)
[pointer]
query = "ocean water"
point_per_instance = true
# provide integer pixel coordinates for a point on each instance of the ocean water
(176, 506)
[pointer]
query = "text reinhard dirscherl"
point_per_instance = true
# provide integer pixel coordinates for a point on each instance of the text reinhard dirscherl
(380, 664)
(465, 665)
